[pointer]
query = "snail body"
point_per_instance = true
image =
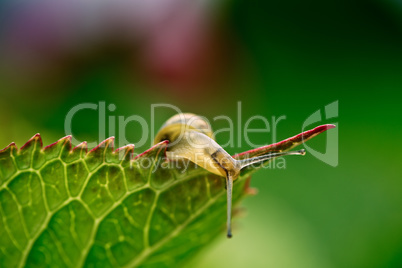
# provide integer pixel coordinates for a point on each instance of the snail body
(191, 137)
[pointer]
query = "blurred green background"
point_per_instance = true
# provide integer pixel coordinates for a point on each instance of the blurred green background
(277, 58)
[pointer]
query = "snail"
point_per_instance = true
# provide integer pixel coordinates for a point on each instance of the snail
(191, 137)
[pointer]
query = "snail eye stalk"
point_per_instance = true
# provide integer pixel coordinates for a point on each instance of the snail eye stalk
(249, 161)
(229, 189)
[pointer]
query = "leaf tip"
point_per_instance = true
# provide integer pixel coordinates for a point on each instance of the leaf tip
(34, 139)
(128, 148)
(65, 140)
(126, 151)
(82, 146)
(162, 146)
(11, 146)
(109, 142)
(320, 129)
(286, 144)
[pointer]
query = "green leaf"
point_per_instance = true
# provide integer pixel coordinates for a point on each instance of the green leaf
(66, 207)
